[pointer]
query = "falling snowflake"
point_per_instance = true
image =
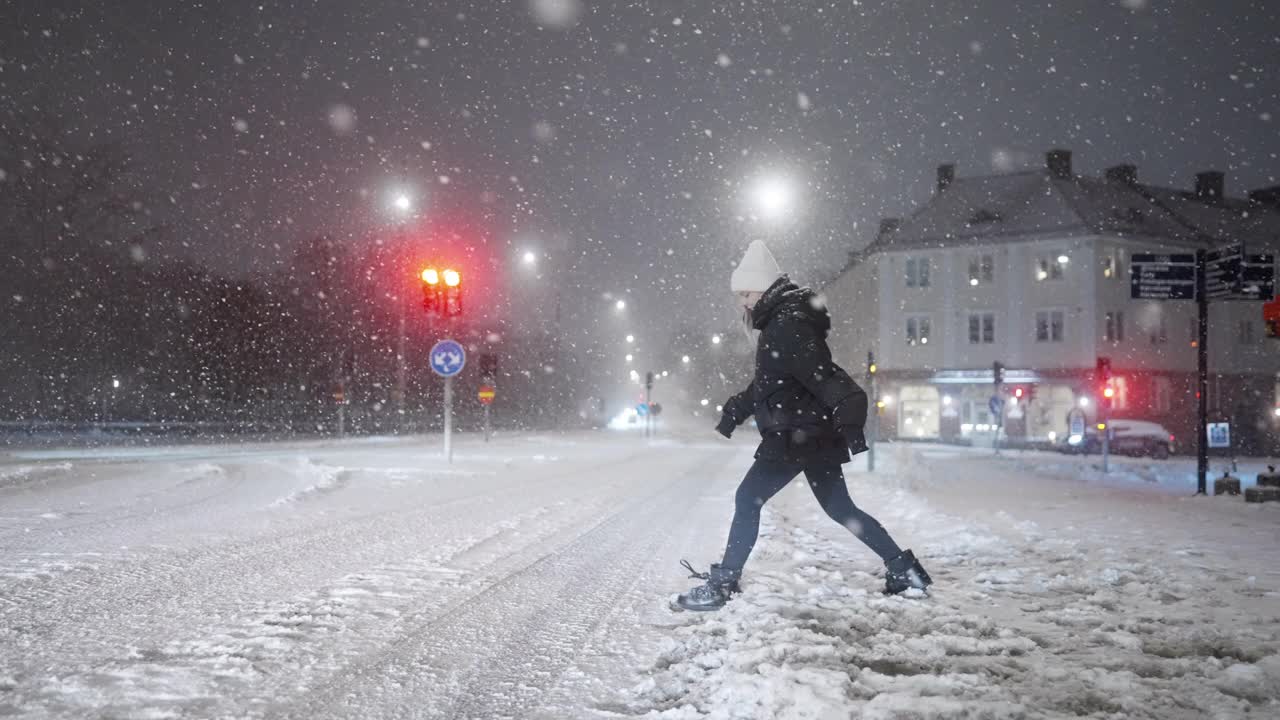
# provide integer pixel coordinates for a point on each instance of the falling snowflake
(556, 13)
(342, 119)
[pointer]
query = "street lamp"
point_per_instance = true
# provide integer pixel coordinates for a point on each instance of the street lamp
(684, 359)
(715, 339)
(529, 257)
(620, 305)
(631, 338)
(772, 196)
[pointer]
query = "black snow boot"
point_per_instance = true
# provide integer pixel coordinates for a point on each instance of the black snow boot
(714, 593)
(903, 573)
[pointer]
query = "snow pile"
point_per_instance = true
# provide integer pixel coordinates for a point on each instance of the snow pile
(320, 479)
(1025, 621)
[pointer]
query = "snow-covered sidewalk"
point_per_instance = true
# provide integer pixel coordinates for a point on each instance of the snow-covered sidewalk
(1055, 597)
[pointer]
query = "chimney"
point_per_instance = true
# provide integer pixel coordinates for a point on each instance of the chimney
(1123, 174)
(1266, 196)
(1059, 163)
(888, 225)
(946, 176)
(1209, 186)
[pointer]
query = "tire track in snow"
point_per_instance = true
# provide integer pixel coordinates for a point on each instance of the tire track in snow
(495, 653)
(47, 625)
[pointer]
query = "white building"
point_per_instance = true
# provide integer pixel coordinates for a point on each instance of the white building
(1031, 269)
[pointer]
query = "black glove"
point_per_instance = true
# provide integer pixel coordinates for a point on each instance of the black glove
(726, 426)
(854, 438)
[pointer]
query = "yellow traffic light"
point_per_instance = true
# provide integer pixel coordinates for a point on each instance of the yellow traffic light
(872, 369)
(452, 278)
(430, 276)
(1102, 426)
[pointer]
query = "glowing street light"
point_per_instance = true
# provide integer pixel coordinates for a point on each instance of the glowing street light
(620, 305)
(631, 338)
(529, 257)
(715, 339)
(685, 359)
(772, 197)
(630, 357)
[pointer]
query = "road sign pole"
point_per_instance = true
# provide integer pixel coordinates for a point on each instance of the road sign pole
(1106, 436)
(1202, 377)
(488, 430)
(448, 419)
(874, 422)
(648, 416)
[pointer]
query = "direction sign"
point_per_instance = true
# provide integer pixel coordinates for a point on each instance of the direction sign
(1222, 271)
(642, 409)
(1258, 277)
(1162, 277)
(448, 358)
(486, 394)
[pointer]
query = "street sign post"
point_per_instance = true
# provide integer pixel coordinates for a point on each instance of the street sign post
(447, 360)
(1226, 274)
(996, 406)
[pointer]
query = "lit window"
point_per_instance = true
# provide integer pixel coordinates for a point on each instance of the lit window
(982, 270)
(918, 330)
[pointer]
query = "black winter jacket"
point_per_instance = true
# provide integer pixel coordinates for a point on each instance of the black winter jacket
(807, 408)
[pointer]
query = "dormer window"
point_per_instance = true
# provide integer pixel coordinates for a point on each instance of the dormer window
(984, 216)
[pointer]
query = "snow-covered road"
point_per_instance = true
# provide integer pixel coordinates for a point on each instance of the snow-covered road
(531, 579)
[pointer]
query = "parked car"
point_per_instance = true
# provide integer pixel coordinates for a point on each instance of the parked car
(1140, 438)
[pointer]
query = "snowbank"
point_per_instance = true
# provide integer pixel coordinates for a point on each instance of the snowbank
(1033, 614)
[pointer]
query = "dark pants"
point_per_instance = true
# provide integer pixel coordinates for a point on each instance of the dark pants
(767, 477)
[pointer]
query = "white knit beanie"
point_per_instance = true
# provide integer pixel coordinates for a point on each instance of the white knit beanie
(757, 271)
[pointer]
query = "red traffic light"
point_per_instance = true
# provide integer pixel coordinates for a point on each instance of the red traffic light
(1108, 392)
(1017, 392)
(431, 276)
(452, 278)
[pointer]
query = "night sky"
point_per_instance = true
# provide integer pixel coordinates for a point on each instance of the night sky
(620, 138)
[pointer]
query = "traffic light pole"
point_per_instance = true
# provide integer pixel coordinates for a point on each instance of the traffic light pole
(402, 372)
(874, 421)
(448, 419)
(448, 403)
(1106, 435)
(1202, 375)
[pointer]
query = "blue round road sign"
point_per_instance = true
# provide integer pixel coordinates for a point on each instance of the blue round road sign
(996, 405)
(448, 358)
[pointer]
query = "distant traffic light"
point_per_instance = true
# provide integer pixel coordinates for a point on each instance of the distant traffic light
(488, 365)
(1018, 392)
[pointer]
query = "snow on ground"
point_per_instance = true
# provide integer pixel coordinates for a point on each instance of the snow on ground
(1055, 597)
(531, 578)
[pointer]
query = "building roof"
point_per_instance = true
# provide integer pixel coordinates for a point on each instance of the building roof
(1026, 205)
